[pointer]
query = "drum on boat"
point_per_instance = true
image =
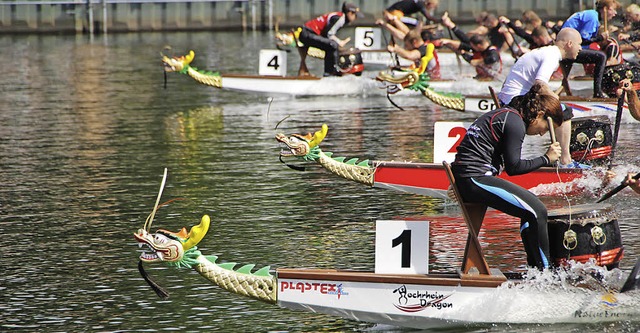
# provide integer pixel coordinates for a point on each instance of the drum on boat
(591, 139)
(350, 61)
(583, 232)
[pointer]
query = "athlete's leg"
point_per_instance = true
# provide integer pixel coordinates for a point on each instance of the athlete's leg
(515, 201)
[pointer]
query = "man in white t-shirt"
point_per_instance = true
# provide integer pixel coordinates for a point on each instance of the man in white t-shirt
(539, 65)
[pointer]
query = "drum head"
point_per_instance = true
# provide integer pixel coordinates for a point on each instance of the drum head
(581, 214)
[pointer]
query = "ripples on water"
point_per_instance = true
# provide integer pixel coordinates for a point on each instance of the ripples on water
(86, 129)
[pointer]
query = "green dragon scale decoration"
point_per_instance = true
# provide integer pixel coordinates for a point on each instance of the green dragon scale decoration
(179, 250)
(420, 82)
(181, 65)
(306, 147)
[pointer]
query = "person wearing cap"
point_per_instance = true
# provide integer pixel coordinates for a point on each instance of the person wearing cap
(320, 33)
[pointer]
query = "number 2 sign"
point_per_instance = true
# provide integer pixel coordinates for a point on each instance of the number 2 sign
(446, 138)
(402, 247)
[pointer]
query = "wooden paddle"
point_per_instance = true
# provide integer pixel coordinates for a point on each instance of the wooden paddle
(616, 127)
(552, 131)
(617, 189)
(494, 97)
(456, 52)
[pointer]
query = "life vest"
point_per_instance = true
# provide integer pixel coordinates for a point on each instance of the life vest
(482, 71)
(429, 62)
(319, 24)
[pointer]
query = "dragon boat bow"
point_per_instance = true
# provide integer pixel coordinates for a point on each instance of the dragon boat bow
(406, 300)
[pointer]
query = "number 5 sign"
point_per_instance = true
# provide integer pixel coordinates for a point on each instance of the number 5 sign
(402, 247)
(368, 38)
(446, 138)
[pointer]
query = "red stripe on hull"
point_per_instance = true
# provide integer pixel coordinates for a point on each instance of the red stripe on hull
(432, 176)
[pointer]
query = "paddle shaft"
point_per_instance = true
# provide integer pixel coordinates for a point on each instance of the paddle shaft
(457, 54)
(616, 127)
(552, 131)
(617, 189)
(394, 57)
(494, 97)
(513, 53)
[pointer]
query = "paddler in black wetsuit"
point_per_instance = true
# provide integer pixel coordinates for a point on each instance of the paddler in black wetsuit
(493, 143)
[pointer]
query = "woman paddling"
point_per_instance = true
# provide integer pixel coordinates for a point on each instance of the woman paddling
(493, 143)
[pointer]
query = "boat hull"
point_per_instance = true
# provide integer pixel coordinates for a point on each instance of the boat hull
(303, 86)
(430, 179)
(430, 301)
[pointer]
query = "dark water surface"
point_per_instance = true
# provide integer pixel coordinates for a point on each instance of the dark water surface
(86, 130)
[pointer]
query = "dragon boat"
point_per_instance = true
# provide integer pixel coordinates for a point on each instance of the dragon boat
(473, 295)
(427, 179)
(445, 92)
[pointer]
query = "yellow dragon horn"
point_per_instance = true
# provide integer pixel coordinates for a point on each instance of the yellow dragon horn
(196, 234)
(189, 57)
(319, 136)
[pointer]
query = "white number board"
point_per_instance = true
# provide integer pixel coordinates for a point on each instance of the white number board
(273, 63)
(368, 38)
(402, 247)
(446, 138)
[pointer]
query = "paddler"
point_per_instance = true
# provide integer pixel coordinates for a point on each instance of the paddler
(493, 143)
(537, 66)
(321, 33)
(422, 53)
(587, 23)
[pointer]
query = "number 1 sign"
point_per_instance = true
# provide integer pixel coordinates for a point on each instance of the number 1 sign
(402, 247)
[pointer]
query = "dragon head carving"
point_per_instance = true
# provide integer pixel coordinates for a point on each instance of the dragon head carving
(302, 146)
(177, 64)
(177, 248)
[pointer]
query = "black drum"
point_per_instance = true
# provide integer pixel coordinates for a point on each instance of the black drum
(350, 61)
(591, 139)
(613, 75)
(583, 232)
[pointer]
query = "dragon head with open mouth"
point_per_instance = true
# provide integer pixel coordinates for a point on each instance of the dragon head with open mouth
(302, 146)
(306, 147)
(177, 64)
(178, 248)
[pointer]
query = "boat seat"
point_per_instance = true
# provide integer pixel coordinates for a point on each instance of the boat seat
(473, 261)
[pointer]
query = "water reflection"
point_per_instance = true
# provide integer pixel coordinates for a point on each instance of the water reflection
(86, 129)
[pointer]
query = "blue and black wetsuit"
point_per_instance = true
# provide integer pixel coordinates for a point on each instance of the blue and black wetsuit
(493, 142)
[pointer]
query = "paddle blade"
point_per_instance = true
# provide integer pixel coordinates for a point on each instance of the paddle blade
(617, 189)
(161, 292)
(633, 280)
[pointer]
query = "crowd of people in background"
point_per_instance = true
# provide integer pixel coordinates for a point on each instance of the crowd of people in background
(606, 31)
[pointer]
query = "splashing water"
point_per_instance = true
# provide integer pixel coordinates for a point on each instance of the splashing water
(576, 293)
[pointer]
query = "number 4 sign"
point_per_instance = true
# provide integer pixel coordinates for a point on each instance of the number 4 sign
(273, 62)
(402, 247)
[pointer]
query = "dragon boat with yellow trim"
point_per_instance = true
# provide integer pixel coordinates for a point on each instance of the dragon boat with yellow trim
(473, 295)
